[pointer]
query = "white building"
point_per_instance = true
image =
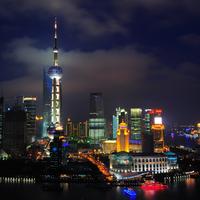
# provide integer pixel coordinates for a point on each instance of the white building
(123, 162)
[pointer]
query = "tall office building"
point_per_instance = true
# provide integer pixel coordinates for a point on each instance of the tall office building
(153, 135)
(97, 122)
(1, 120)
(123, 138)
(121, 115)
(14, 141)
(28, 104)
(47, 86)
(157, 129)
(55, 73)
(136, 124)
(147, 135)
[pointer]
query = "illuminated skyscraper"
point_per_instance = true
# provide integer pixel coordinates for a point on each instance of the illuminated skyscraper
(97, 123)
(136, 124)
(123, 138)
(153, 135)
(147, 135)
(28, 104)
(55, 73)
(157, 129)
(121, 115)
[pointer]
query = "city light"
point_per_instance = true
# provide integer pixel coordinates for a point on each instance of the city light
(157, 120)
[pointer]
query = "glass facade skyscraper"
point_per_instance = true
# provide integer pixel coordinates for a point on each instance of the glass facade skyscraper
(147, 136)
(14, 138)
(47, 85)
(136, 124)
(29, 104)
(97, 122)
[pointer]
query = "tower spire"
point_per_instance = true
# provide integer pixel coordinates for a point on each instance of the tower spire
(55, 49)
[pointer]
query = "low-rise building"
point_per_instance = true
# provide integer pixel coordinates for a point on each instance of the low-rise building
(139, 163)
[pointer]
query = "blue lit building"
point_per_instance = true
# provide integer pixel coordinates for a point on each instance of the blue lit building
(47, 86)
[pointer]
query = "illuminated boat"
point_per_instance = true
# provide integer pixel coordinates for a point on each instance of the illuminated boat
(130, 192)
(152, 185)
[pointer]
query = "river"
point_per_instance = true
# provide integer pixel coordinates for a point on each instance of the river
(186, 190)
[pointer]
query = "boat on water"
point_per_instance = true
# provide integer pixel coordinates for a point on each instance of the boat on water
(153, 185)
(129, 191)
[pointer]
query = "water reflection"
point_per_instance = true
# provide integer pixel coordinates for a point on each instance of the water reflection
(190, 184)
(149, 194)
(187, 190)
(65, 186)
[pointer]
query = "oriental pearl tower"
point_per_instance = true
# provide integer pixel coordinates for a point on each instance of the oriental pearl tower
(55, 73)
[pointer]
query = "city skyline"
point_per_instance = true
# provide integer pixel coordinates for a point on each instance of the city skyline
(151, 62)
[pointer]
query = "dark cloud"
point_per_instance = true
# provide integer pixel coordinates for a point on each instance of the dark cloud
(127, 76)
(190, 39)
(83, 70)
(128, 50)
(85, 19)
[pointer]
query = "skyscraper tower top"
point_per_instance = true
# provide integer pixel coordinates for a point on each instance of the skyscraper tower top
(55, 49)
(55, 71)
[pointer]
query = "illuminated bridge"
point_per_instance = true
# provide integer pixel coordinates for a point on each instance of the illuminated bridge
(102, 168)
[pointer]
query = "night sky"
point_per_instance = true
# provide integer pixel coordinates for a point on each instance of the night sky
(138, 53)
